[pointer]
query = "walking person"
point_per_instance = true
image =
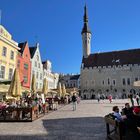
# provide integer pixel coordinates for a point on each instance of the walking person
(74, 100)
(98, 98)
(110, 98)
(131, 99)
(137, 99)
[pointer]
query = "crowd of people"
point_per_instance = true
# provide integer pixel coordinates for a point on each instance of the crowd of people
(103, 97)
(132, 97)
(27, 101)
(24, 102)
(130, 116)
(34, 100)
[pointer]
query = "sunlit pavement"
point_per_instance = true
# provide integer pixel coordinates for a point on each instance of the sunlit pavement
(86, 123)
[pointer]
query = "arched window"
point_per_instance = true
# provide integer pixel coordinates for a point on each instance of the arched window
(37, 57)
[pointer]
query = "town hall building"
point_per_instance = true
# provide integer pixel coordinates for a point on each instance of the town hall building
(107, 72)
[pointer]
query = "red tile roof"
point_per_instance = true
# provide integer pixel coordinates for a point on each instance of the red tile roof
(113, 58)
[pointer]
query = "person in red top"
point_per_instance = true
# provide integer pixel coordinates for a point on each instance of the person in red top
(110, 98)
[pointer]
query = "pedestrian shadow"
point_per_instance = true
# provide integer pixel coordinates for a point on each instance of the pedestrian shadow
(84, 128)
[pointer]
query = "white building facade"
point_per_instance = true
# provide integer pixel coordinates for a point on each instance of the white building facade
(70, 80)
(51, 77)
(108, 72)
(37, 67)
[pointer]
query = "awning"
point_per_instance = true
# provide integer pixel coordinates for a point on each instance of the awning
(52, 91)
(136, 84)
(4, 88)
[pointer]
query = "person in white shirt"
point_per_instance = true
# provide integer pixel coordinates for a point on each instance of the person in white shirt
(137, 99)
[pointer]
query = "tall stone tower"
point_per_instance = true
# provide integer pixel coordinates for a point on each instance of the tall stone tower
(86, 35)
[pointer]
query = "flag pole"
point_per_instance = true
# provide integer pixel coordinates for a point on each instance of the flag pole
(0, 16)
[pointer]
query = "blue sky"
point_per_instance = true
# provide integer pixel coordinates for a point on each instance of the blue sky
(57, 25)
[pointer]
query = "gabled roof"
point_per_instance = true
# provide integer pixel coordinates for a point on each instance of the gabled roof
(123, 57)
(22, 46)
(75, 77)
(32, 51)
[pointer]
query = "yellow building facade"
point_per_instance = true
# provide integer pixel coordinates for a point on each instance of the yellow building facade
(8, 54)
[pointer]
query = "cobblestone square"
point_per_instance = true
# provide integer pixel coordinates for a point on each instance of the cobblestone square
(86, 123)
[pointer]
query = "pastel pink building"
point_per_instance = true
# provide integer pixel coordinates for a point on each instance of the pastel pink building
(24, 64)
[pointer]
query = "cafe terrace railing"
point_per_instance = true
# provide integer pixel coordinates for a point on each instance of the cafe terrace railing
(22, 114)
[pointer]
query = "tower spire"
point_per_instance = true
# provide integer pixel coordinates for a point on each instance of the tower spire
(85, 28)
(85, 14)
(86, 35)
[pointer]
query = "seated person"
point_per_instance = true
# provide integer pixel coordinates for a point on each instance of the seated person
(116, 113)
(133, 120)
(3, 105)
(132, 123)
(127, 110)
(13, 104)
